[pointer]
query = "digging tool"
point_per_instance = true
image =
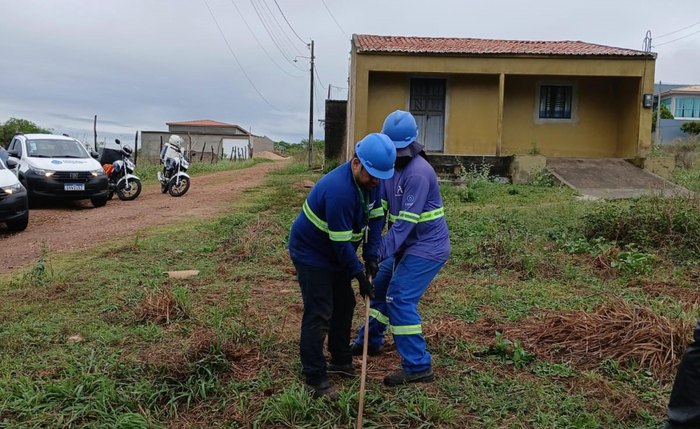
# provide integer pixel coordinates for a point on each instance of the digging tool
(363, 375)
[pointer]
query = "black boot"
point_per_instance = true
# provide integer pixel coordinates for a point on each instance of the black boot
(371, 350)
(323, 390)
(347, 370)
(402, 377)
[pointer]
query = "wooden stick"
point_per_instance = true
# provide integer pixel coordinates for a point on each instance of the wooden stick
(363, 376)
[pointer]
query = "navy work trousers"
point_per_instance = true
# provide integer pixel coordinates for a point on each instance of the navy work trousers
(684, 406)
(329, 303)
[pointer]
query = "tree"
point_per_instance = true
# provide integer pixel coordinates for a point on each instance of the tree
(15, 125)
(665, 114)
(692, 128)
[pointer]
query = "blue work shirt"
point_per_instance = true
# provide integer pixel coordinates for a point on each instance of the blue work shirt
(415, 212)
(333, 221)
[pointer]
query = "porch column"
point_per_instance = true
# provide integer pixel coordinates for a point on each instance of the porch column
(499, 122)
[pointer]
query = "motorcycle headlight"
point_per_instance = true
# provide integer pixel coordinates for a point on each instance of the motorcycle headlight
(42, 172)
(12, 189)
(98, 172)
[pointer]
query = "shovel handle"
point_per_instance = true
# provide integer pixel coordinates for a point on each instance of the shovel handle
(363, 375)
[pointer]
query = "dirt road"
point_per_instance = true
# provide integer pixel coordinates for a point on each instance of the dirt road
(76, 225)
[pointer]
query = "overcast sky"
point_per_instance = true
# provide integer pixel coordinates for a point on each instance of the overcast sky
(138, 64)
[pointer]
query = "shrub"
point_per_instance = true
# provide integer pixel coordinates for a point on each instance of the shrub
(665, 224)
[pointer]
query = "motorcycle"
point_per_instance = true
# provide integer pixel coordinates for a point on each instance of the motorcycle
(120, 175)
(174, 178)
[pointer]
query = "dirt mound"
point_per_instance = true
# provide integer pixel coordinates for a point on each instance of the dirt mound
(268, 155)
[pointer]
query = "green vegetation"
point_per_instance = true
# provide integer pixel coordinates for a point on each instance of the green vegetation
(106, 340)
(665, 114)
(148, 172)
(14, 125)
(691, 128)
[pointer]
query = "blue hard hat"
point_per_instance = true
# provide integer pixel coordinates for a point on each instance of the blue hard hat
(401, 128)
(377, 154)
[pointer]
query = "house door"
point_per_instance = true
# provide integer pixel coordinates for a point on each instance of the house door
(428, 107)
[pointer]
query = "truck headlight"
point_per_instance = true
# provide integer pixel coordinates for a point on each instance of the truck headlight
(42, 172)
(12, 189)
(98, 172)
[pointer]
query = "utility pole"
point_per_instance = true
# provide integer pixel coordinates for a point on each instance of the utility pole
(657, 139)
(311, 105)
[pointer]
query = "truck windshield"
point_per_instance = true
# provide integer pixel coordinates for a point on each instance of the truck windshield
(54, 148)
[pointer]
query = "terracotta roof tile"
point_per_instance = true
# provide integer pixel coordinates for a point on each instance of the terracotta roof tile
(455, 46)
(202, 123)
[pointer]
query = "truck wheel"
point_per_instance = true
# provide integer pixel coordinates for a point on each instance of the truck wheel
(18, 224)
(99, 201)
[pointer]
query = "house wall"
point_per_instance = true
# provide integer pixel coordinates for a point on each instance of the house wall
(610, 120)
(604, 115)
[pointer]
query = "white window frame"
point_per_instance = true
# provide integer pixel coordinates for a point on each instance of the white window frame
(574, 102)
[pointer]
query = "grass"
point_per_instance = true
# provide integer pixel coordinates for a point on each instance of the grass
(106, 340)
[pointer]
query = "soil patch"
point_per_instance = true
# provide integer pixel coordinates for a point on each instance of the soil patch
(76, 225)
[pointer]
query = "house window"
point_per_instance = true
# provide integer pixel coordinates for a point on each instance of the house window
(687, 107)
(556, 101)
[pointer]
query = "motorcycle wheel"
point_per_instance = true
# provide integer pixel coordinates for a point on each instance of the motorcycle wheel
(178, 190)
(130, 193)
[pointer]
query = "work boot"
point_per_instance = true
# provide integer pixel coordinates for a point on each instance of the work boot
(347, 370)
(371, 350)
(323, 390)
(402, 377)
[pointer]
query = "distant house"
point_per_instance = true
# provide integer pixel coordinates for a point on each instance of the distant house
(479, 97)
(207, 138)
(683, 101)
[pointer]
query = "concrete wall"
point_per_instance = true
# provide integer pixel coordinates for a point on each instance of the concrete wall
(150, 143)
(610, 121)
(334, 129)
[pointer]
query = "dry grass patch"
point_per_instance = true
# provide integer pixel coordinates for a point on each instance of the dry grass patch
(624, 332)
(158, 307)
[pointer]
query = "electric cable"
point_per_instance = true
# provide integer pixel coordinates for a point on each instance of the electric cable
(334, 20)
(290, 25)
(245, 21)
(268, 30)
(284, 33)
(679, 30)
(675, 40)
(236, 58)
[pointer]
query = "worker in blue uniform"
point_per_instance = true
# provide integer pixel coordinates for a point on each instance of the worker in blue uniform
(412, 252)
(684, 405)
(342, 211)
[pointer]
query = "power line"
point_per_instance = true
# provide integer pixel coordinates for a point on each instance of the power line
(679, 30)
(269, 32)
(236, 58)
(284, 33)
(290, 25)
(334, 20)
(675, 40)
(245, 21)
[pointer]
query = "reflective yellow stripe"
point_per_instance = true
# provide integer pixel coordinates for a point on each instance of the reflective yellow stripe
(340, 235)
(378, 212)
(323, 226)
(407, 330)
(379, 316)
(414, 218)
(432, 215)
(357, 236)
(385, 205)
(310, 215)
(409, 217)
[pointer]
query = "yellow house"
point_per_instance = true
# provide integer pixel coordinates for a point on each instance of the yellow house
(478, 97)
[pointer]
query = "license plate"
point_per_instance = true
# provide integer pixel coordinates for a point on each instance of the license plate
(74, 187)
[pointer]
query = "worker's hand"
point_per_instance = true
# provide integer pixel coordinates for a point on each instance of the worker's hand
(371, 268)
(366, 288)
